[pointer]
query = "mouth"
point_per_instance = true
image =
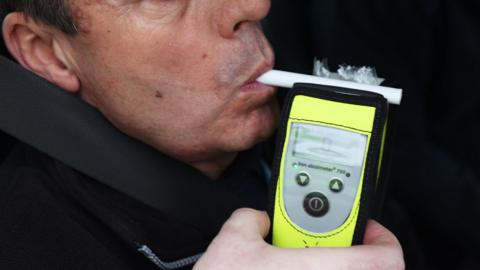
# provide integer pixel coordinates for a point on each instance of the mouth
(252, 83)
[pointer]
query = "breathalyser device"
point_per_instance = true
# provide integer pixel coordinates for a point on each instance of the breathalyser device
(327, 163)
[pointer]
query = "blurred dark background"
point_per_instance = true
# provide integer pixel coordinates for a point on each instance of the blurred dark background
(431, 49)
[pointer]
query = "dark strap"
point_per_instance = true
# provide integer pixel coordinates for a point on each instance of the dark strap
(71, 131)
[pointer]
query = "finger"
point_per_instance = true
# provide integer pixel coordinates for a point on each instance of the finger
(249, 223)
(377, 235)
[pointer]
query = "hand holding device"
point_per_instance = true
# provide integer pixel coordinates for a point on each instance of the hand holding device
(240, 245)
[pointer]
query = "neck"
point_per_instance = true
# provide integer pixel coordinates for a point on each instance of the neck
(215, 167)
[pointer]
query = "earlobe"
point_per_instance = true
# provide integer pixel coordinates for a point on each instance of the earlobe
(34, 46)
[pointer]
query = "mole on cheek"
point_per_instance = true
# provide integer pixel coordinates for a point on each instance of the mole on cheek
(158, 94)
(204, 56)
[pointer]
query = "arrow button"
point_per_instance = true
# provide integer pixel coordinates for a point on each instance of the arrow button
(302, 179)
(336, 185)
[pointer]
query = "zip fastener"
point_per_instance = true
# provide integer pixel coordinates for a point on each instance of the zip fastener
(147, 252)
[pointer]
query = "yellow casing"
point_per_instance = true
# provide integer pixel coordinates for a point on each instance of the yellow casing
(355, 118)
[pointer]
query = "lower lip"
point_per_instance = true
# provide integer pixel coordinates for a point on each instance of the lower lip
(255, 86)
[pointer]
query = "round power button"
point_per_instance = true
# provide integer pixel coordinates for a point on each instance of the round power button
(316, 204)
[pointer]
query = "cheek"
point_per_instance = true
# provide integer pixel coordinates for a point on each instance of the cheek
(153, 96)
(242, 133)
(176, 71)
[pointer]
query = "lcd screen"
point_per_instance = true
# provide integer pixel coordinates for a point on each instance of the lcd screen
(327, 144)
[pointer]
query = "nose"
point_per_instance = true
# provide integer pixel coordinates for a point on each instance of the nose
(234, 13)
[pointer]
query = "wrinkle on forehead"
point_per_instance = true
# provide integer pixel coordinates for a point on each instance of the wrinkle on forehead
(111, 3)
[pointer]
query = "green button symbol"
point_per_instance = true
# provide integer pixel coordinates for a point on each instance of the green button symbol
(336, 185)
(303, 179)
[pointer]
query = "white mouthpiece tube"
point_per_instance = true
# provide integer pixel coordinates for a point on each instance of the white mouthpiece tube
(288, 79)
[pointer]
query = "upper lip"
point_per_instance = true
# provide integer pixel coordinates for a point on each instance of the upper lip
(259, 71)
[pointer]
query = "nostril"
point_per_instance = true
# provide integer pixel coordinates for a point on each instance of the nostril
(237, 27)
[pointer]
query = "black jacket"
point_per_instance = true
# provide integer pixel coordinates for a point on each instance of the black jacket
(53, 217)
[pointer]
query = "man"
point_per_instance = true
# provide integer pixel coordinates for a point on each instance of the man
(179, 76)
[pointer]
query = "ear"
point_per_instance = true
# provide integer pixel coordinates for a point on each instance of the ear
(37, 48)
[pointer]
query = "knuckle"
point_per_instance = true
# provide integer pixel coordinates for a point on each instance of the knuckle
(229, 230)
(245, 212)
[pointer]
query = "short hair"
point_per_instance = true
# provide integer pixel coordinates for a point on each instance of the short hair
(56, 13)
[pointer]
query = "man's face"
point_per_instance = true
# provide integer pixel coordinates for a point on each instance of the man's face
(178, 74)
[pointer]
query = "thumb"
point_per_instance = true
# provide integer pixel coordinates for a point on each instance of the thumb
(248, 223)
(377, 235)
